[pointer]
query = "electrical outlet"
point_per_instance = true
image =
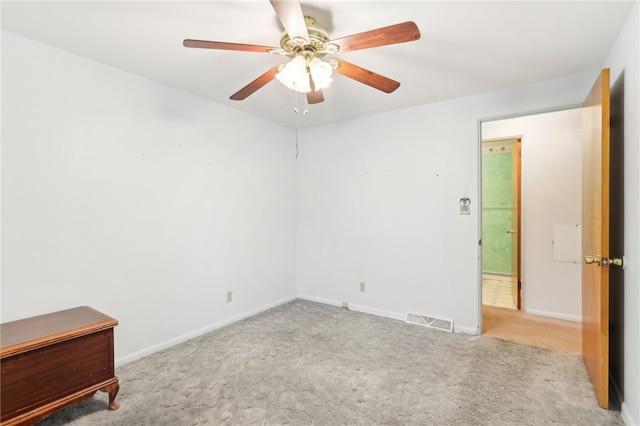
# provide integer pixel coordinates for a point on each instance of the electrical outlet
(345, 305)
(229, 296)
(363, 286)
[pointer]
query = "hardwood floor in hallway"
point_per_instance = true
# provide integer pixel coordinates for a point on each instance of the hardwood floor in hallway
(543, 332)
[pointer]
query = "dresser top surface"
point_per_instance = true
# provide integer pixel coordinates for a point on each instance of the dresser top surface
(25, 334)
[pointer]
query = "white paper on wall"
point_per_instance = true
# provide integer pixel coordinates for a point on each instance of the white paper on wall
(567, 243)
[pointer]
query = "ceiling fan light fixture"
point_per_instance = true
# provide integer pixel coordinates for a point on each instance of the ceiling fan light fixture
(307, 47)
(295, 74)
(320, 72)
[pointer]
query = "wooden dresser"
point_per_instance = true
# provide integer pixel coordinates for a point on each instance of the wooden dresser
(55, 360)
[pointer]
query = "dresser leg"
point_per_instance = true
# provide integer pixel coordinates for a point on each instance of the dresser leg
(112, 390)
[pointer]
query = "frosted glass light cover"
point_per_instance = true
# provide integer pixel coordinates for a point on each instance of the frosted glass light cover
(320, 72)
(294, 75)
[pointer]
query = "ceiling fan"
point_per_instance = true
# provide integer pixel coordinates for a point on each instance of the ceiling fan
(307, 44)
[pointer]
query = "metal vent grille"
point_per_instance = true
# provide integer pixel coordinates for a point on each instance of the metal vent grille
(431, 322)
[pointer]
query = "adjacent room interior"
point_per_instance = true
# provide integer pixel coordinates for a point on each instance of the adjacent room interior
(530, 177)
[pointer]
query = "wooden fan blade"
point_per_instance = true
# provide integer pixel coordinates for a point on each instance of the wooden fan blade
(221, 45)
(314, 96)
(290, 15)
(399, 33)
(367, 77)
(256, 84)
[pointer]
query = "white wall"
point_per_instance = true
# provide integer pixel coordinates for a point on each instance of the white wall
(144, 202)
(378, 202)
(624, 56)
(551, 195)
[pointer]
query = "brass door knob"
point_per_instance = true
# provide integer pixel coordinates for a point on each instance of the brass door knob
(590, 259)
(617, 261)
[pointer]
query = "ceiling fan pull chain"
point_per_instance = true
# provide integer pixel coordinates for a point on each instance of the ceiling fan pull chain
(295, 108)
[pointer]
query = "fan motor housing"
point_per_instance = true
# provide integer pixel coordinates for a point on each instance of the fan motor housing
(316, 46)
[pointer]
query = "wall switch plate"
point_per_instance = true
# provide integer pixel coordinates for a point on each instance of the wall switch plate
(363, 286)
(229, 296)
(465, 206)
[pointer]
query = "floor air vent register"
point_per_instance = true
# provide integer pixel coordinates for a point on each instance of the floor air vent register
(431, 322)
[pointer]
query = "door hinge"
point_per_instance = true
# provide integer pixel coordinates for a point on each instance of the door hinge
(519, 285)
(480, 242)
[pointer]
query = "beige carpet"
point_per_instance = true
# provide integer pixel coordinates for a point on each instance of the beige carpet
(305, 363)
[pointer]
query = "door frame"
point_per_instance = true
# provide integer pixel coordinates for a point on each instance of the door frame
(516, 253)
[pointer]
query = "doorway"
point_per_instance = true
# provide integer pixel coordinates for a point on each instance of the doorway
(550, 209)
(550, 221)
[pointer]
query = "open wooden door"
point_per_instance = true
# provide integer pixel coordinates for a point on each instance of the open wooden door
(595, 236)
(516, 179)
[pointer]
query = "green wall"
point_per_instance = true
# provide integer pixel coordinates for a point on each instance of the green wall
(496, 213)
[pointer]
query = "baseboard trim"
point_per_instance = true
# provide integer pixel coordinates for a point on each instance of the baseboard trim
(188, 336)
(319, 300)
(465, 330)
(193, 334)
(380, 312)
(353, 307)
(376, 312)
(555, 315)
(627, 418)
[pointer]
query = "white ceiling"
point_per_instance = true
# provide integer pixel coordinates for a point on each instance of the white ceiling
(465, 48)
